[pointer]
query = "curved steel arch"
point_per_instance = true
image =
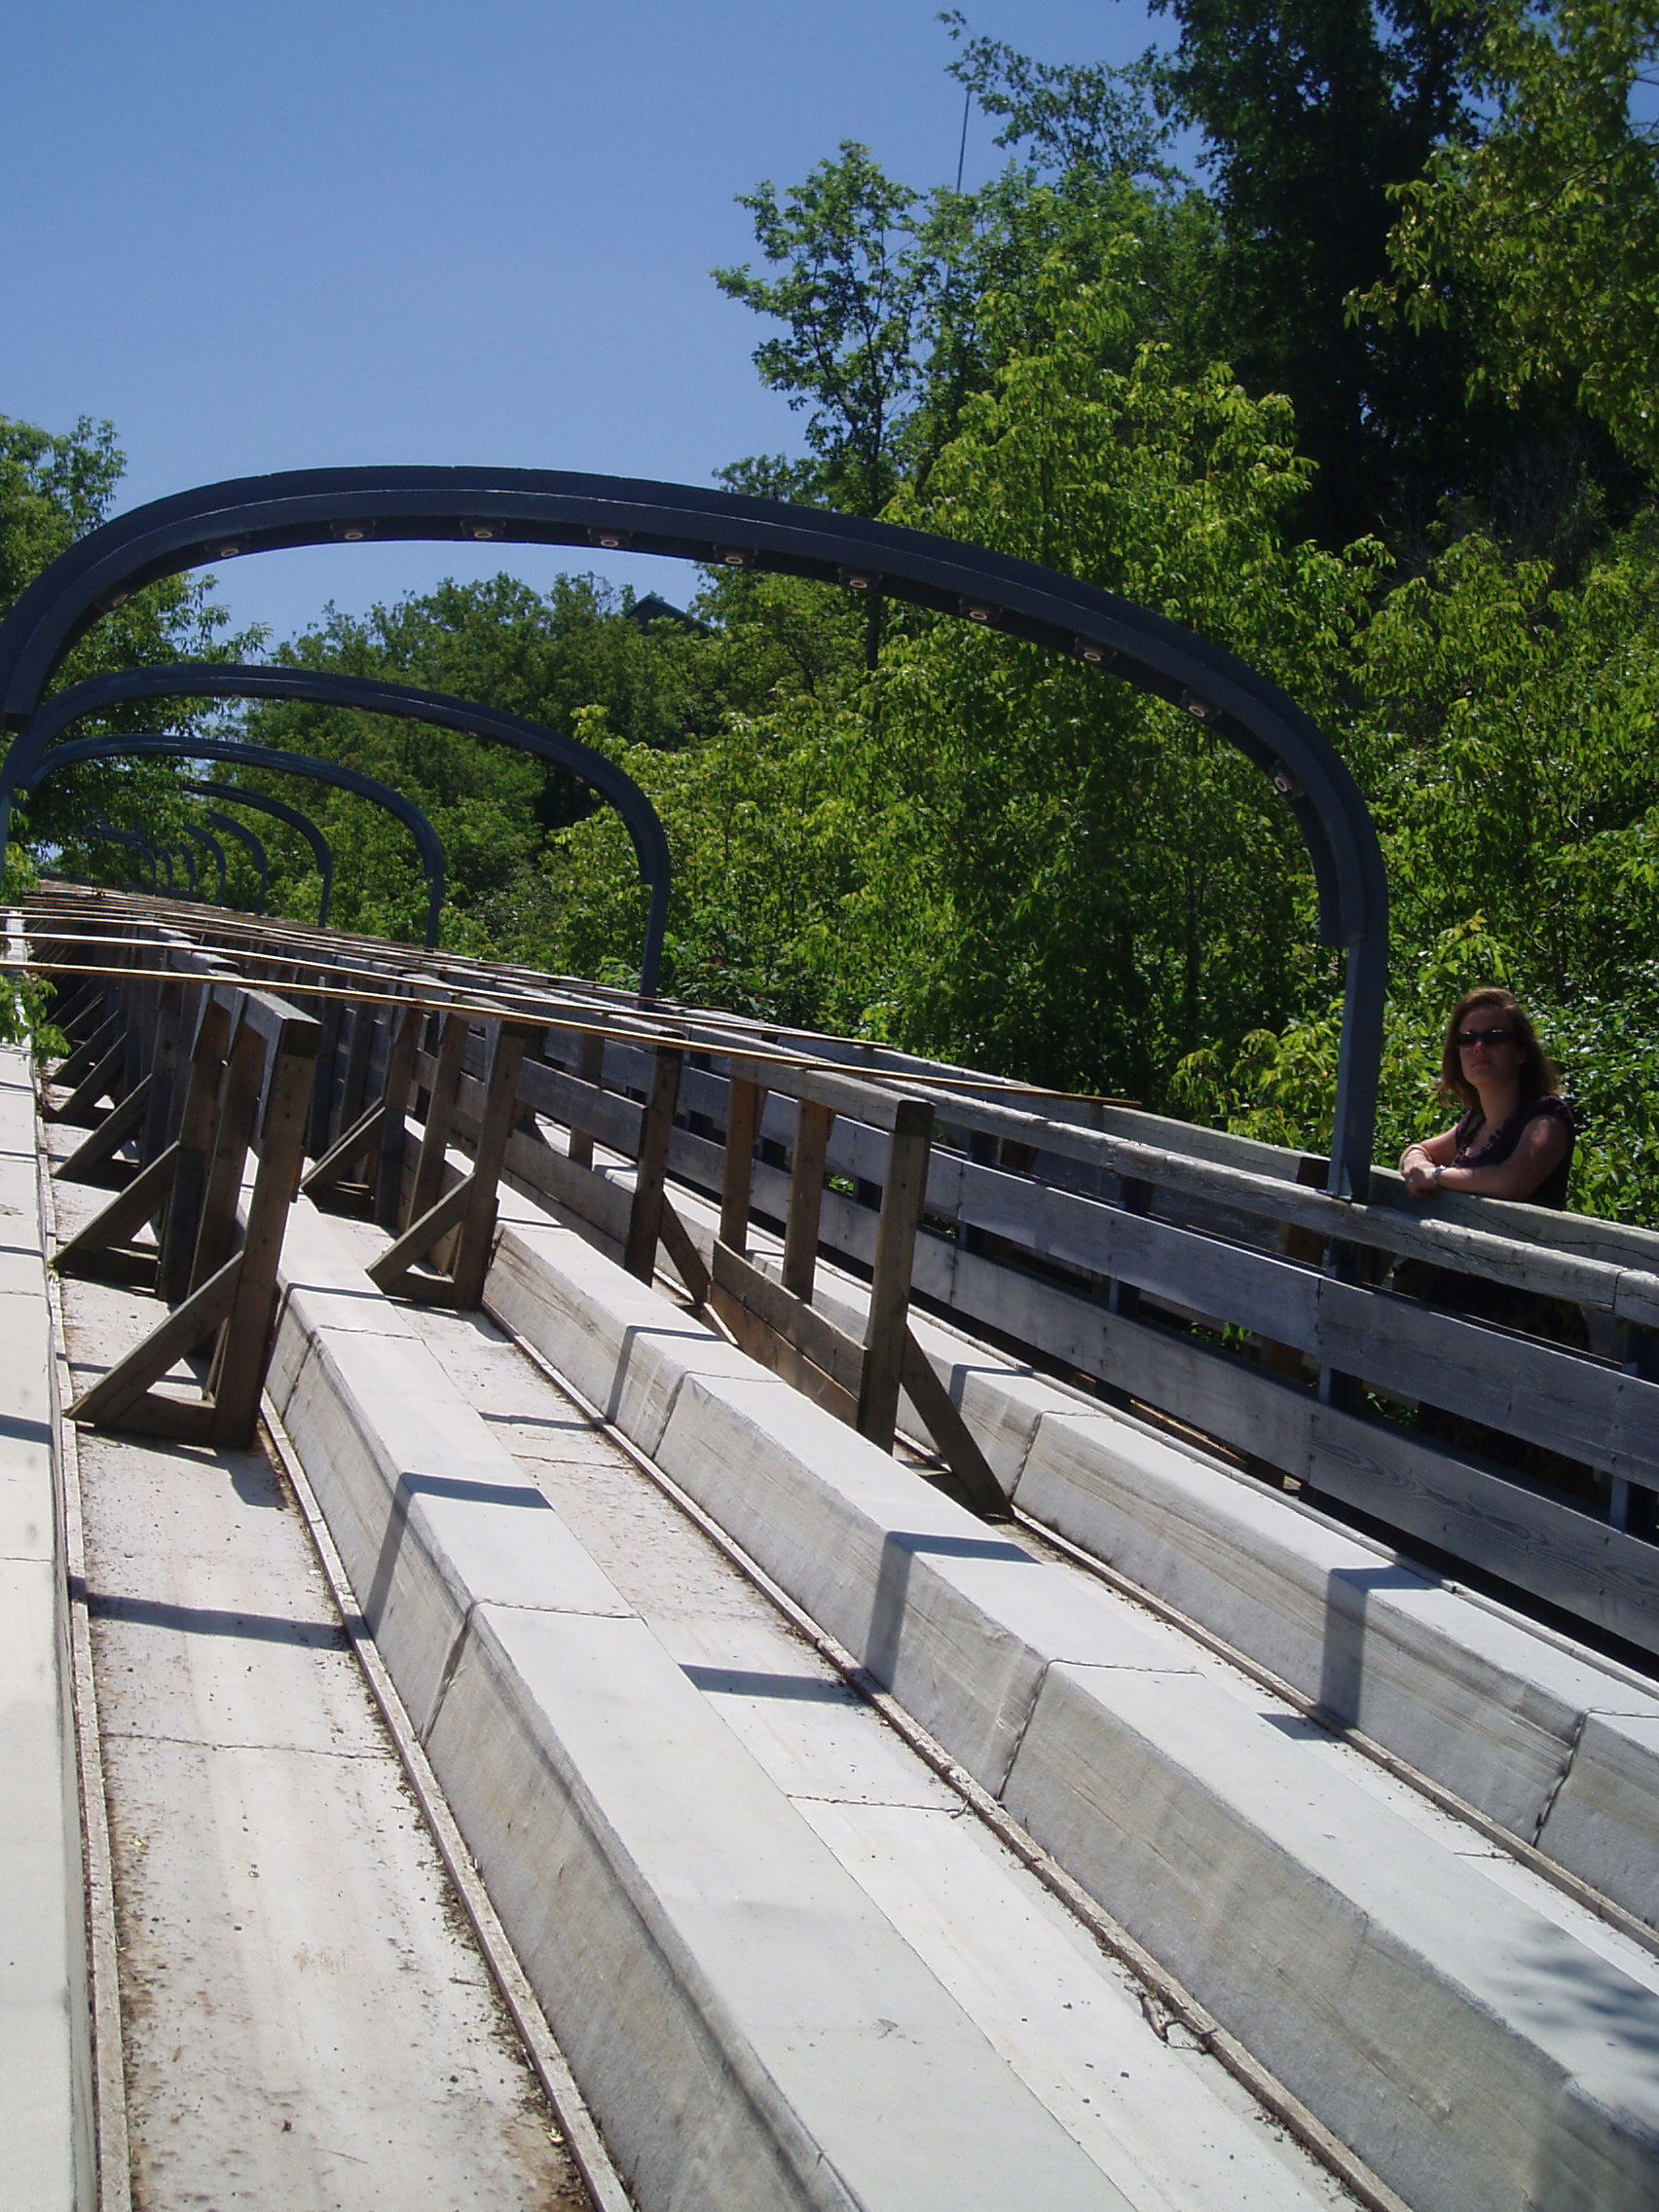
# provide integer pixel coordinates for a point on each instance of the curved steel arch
(220, 522)
(250, 843)
(323, 852)
(205, 679)
(215, 853)
(112, 834)
(427, 838)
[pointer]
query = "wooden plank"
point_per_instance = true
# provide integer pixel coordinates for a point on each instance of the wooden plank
(590, 1072)
(752, 1335)
(95, 1152)
(73, 1071)
(969, 1479)
(109, 1400)
(1410, 1483)
(745, 1104)
(444, 1213)
(243, 1351)
(643, 1225)
(329, 1169)
(197, 1122)
(817, 1339)
(109, 1230)
(83, 1101)
(813, 1123)
(233, 1139)
(478, 1220)
(540, 1172)
(440, 1113)
(395, 1117)
(688, 1260)
(902, 1198)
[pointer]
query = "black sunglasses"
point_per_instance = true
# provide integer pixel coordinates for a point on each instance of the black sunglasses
(1468, 1038)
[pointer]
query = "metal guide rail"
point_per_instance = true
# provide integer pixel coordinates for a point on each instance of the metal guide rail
(1202, 1275)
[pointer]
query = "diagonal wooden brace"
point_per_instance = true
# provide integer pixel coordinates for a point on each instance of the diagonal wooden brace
(391, 1270)
(83, 1101)
(90, 1159)
(331, 1168)
(143, 1199)
(111, 1400)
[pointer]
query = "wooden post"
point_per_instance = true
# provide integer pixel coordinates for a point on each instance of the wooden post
(394, 1127)
(590, 1068)
(644, 1222)
(242, 1353)
(500, 1111)
(440, 1115)
(196, 1133)
(745, 1103)
(902, 1199)
(806, 1196)
(238, 1110)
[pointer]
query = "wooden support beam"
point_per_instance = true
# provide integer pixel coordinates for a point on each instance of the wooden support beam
(902, 1199)
(91, 1160)
(971, 1480)
(813, 1123)
(390, 1273)
(189, 1153)
(478, 1222)
(233, 1138)
(112, 1230)
(745, 1103)
(645, 1224)
(83, 1102)
(86, 1054)
(110, 1401)
(590, 1068)
(330, 1170)
(447, 1072)
(393, 1144)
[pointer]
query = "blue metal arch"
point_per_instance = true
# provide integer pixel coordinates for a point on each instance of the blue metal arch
(133, 840)
(250, 842)
(230, 750)
(279, 809)
(220, 522)
(208, 680)
(215, 853)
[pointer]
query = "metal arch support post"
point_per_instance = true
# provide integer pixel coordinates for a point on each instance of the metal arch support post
(220, 522)
(279, 810)
(214, 851)
(251, 844)
(169, 747)
(370, 695)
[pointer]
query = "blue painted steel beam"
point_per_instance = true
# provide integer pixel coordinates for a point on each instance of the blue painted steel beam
(215, 523)
(279, 809)
(232, 751)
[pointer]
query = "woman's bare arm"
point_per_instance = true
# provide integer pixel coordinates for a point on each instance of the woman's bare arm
(1418, 1161)
(1542, 1147)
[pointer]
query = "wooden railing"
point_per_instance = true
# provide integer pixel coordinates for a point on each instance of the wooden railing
(1202, 1276)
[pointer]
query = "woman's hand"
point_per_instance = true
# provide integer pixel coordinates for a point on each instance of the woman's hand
(1422, 1167)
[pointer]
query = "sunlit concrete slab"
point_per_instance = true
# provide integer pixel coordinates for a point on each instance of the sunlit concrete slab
(1482, 2055)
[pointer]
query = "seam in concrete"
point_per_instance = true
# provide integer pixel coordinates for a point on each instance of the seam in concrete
(1559, 1782)
(447, 1672)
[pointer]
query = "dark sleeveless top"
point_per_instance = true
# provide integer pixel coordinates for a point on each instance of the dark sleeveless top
(1480, 1147)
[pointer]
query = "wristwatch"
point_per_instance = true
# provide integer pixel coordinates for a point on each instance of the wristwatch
(1439, 1171)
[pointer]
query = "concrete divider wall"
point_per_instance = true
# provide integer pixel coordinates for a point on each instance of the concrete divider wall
(1325, 1922)
(46, 2096)
(746, 2025)
(1560, 1748)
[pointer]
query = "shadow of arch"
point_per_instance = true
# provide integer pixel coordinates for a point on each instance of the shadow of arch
(279, 809)
(221, 522)
(168, 746)
(205, 679)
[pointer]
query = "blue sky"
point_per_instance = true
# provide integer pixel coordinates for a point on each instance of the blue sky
(261, 237)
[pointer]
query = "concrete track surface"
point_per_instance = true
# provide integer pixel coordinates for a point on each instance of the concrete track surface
(856, 1853)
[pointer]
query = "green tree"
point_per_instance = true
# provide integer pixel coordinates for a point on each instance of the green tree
(1550, 214)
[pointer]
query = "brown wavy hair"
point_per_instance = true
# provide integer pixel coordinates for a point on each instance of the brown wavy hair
(1537, 1072)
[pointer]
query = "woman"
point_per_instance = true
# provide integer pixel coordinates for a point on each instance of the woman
(1515, 1140)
